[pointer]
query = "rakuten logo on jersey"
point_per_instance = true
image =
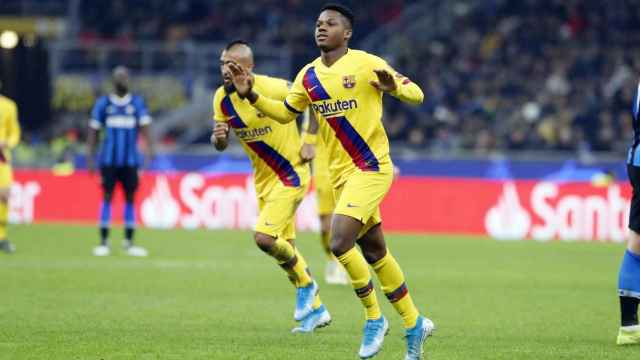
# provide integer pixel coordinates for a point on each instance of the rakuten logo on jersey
(556, 213)
(197, 201)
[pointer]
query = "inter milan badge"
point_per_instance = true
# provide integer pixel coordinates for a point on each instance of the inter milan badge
(349, 81)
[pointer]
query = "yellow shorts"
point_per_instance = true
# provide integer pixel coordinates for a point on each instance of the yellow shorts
(324, 194)
(6, 175)
(278, 211)
(360, 197)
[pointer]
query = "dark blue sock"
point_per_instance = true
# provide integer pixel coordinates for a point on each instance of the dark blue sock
(105, 222)
(129, 215)
(129, 222)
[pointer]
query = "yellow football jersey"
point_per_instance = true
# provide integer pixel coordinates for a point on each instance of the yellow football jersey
(9, 126)
(348, 109)
(272, 147)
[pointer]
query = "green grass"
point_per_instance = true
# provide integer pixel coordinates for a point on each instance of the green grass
(214, 295)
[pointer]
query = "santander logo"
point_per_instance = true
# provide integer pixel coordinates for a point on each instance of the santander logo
(200, 202)
(508, 220)
(555, 213)
(160, 209)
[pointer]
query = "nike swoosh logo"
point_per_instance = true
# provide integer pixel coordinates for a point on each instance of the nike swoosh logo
(268, 224)
(349, 205)
(312, 88)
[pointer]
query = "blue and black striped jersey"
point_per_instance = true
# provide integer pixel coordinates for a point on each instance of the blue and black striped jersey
(120, 118)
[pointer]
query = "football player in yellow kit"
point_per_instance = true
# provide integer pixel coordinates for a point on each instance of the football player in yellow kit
(345, 89)
(9, 138)
(281, 176)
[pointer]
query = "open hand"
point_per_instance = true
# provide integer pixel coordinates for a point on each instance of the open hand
(385, 81)
(241, 79)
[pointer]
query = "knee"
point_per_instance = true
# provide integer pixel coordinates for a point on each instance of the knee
(264, 241)
(373, 253)
(340, 244)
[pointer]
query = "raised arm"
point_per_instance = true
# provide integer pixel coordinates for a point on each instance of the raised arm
(282, 112)
(397, 85)
(145, 133)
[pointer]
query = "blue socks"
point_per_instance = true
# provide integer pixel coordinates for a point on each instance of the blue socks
(629, 277)
(129, 215)
(629, 288)
(105, 222)
(105, 214)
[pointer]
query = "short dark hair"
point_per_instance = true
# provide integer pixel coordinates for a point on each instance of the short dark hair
(343, 10)
(236, 42)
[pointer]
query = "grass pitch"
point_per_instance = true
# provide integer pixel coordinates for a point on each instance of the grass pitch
(214, 295)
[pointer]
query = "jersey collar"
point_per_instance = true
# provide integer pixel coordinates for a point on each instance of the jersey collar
(120, 101)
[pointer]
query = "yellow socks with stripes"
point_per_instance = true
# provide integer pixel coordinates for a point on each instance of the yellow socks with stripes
(358, 271)
(394, 287)
(291, 261)
(4, 219)
(316, 301)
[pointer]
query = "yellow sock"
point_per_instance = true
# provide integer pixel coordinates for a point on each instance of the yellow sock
(358, 271)
(4, 216)
(317, 302)
(394, 287)
(294, 265)
(326, 244)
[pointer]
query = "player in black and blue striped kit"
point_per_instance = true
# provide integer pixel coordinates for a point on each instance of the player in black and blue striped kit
(629, 277)
(121, 116)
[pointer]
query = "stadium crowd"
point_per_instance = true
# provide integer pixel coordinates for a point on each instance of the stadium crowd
(553, 75)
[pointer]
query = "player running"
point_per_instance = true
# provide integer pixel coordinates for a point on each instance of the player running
(122, 116)
(345, 88)
(629, 276)
(281, 177)
(9, 138)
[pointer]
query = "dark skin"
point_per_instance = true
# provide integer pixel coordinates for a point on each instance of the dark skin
(332, 34)
(120, 80)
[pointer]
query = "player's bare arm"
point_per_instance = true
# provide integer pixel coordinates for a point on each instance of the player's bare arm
(149, 146)
(92, 141)
(220, 136)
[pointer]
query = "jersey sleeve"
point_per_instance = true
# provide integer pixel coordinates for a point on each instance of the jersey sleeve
(297, 99)
(13, 127)
(406, 90)
(218, 115)
(280, 89)
(98, 115)
(292, 106)
(142, 112)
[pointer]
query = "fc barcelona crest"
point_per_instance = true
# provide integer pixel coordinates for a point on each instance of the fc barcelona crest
(349, 81)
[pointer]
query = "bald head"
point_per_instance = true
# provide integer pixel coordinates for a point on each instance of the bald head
(241, 53)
